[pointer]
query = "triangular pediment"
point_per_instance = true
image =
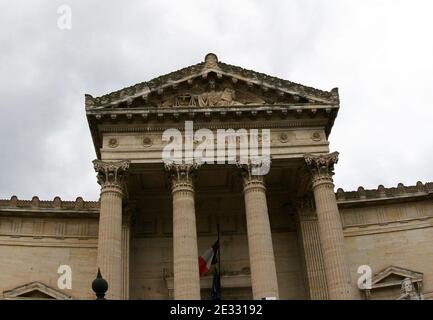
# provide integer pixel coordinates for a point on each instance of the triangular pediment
(393, 276)
(35, 291)
(209, 84)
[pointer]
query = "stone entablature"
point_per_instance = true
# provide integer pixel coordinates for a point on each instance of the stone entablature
(401, 192)
(213, 95)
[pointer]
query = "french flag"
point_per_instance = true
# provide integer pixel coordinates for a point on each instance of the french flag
(208, 258)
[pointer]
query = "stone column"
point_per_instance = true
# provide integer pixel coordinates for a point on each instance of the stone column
(308, 231)
(330, 228)
(185, 258)
(126, 241)
(110, 177)
(262, 262)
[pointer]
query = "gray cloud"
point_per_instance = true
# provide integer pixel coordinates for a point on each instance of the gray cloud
(379, 53)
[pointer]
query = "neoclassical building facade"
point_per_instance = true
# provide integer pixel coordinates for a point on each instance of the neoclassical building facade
(284, 233)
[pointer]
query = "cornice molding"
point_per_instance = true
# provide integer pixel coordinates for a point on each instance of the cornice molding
(56, 204)
(20, 291)
(384, 195)
(232, 125)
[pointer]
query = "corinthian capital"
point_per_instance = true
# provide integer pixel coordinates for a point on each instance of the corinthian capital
(111, 173)
(322, 164)
(181, 173)
(252, 173)
(256, 169)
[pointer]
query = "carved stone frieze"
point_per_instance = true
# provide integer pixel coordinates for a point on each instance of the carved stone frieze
(212, 97)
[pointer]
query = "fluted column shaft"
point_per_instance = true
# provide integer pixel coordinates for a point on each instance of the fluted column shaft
(308, 230)
(126, 239)
(262, 262)
(110, 177)
(185, 252)
(330, 228)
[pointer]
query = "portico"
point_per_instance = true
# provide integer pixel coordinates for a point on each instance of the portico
(173, 208)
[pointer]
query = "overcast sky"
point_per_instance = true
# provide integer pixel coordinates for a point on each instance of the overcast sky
(379, 54)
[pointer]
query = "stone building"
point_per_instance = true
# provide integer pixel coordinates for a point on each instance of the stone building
(285, 234)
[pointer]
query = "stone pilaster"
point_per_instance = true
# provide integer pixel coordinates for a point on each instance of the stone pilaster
(185, 252)
(111, 177)
(262, 261)
(330, 228)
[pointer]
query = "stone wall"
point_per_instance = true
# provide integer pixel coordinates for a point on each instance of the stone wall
(36, 237)
(152, 253)
(390, 227)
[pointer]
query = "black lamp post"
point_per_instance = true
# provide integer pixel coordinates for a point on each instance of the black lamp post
(100, 286)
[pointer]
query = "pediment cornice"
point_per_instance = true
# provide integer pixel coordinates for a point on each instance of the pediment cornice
(379, 279)
(287, 91)
(21, 292)
(392, 277)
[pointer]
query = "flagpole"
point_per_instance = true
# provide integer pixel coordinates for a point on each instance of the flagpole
(219, 251)
(216, 281)
(219, 260)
